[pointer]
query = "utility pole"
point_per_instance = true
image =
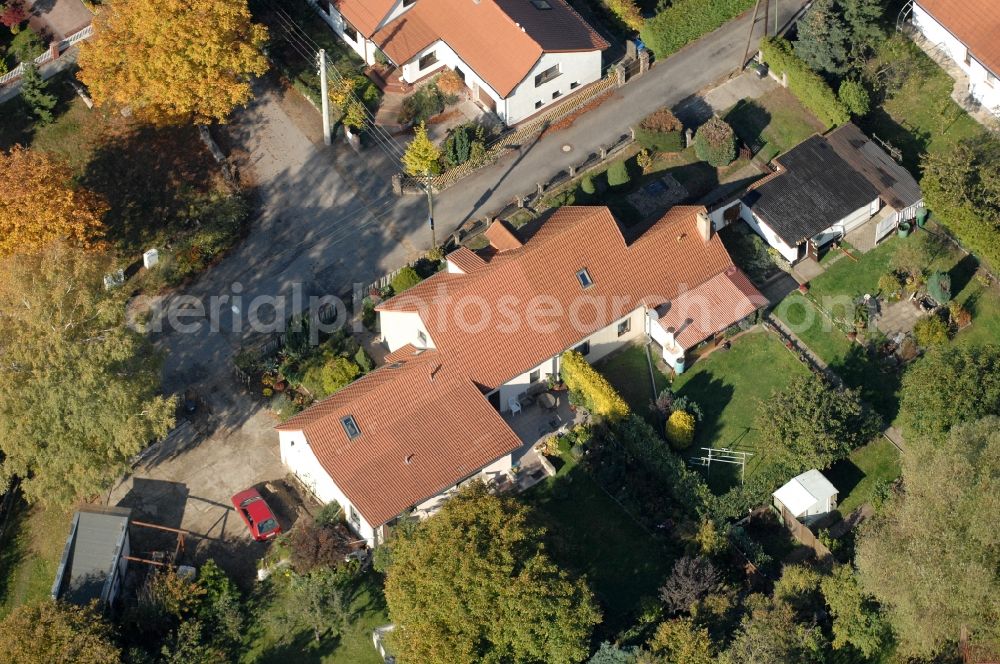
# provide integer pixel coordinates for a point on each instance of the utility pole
(325, 97)
(753, 24)
(429, 189)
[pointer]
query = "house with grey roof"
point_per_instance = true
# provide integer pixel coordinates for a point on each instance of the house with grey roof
(95, 559)
(826, 187)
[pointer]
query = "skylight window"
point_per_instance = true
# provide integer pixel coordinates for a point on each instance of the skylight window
(584, 278)
(541, 4)
(350, 427)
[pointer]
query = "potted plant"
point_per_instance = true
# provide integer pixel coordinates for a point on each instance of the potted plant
(804, 288)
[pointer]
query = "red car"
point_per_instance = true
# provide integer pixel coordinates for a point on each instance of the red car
(257, 515)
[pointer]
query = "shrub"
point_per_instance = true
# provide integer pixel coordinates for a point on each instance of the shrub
(26, 46)
(890, 285)
(618, 174)
(405, 279)
(804, 83)
(363, 361)
(939, 287)
(422, 105)
(315, 546)
(687, 20)
(644, 160)
(594, 391)
(12, 14)
(329, 375)
(854, 96)
(960, 316)
(626, 11)
(931, 331)
(680, 429)
(715, 142)
(450, 83)
(587, 185)
(661, 132)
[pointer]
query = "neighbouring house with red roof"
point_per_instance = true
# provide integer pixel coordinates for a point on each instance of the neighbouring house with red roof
(468, 342)
(515, 56)
(968, 31)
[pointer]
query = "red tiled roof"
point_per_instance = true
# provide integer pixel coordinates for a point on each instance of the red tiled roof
(364, 15)
(501, 237)
(713, 306)
(667, 260)
(500, 40)
(466, 260)
(976, 23)
(419, 436)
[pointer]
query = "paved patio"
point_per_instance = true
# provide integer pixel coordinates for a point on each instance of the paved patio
(58, 19)
(533, 425)
(899, 317)
(862, 238)
(806, 270)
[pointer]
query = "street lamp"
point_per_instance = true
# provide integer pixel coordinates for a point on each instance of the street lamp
(429, 190)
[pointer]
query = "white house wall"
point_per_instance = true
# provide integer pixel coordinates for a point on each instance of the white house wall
(402, 327)
(939, 36)
(490, 472)
(602, 342)
(298, 457)
(363, 47)
(446, 57)
(790, 254)
(580, 67)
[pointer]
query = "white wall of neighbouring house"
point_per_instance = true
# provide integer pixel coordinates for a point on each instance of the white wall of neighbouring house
(361, 45)
(982, 86)
(604, 341)
(789, 253)
(579, 67)
(299, 458)
(446, 57)
(403, 327)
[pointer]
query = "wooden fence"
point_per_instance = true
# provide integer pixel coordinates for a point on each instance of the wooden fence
(803, 535)
(54, 51)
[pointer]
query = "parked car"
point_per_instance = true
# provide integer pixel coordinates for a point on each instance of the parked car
(256, 514)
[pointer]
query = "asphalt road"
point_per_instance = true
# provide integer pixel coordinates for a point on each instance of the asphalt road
(329, 218)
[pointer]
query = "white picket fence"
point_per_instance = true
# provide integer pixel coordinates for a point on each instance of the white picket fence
(54, 51)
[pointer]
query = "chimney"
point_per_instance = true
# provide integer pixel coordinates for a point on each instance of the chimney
(704, 225)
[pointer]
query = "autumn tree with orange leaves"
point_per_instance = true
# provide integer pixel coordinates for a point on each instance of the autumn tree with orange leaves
(39, 204)
(172, 61)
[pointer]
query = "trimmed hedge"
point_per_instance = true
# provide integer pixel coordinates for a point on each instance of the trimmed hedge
(661, 131)
(593, 389)
(804, 83)
(687, 20)
(626, 11)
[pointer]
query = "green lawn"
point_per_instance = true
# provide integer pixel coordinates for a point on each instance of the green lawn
(856, 476)
(773, 123)
(728, 385)
(591, 534)
(845, 280)
(628, 372)
(366, 612)
(921, 117)
(32, 547)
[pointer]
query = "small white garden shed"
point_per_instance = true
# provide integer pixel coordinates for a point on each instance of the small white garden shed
(807, 496)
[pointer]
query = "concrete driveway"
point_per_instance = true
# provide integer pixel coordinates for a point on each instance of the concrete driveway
(186, 482)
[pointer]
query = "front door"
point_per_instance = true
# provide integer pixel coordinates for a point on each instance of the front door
(812, 251)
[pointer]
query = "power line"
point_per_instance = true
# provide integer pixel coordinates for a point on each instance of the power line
(307, 48)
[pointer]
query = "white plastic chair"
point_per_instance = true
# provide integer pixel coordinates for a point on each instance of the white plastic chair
(515, 405)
